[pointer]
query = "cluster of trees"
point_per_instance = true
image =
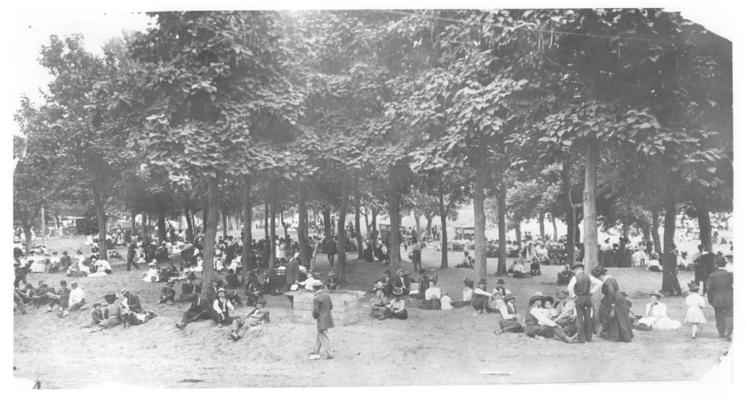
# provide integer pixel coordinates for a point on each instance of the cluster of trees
(609, 116)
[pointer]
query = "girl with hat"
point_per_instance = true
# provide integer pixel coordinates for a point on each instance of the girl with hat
(694, 314)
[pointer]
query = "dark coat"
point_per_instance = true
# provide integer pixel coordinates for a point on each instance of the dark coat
(719, 288)
(323, 310)
(133, 303)
(292, 271)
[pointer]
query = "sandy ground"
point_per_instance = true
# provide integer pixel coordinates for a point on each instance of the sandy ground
(430, 348)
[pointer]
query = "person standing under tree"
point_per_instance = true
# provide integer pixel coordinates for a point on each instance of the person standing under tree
(322, 312)
(581, 286)
(719, 292)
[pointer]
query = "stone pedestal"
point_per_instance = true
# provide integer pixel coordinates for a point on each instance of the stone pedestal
(347, 308)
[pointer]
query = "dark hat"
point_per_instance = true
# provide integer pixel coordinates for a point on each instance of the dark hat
(599, 271)
(109, 298)
(539, 296)
(482, 281)
(500, 282)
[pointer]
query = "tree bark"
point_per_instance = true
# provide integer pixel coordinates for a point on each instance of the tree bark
(590, 210)
(373, 217)
(247, 215)
(645, 232)
(501, 216)
(225, 223)
(705, 227)
(209, 240)
(357, 227)
(144, 223)
(303, 230)
(479, 197)
(394, 203)
(571, 218)
(132, 224)
(326, 221)
(189, 235)
(541, 225)
(272, 255)
(205, 218)
(342, 209)
(27, 235)
(101, 219)
(668, 260)
(283, 224)
(555, 228)
(267, 221)
(656, 231)
(443, 217)
(161, 227)
(518, 231)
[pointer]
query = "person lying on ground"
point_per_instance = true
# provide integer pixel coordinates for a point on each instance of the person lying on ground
(539, 325)
(199, 309)
(190, 289)
(467, 294)
(396, 308)
(255, 318)
(167, 293)
(508, 318)
(432, 297)
(77, 300)
(655, 316)
(481, 298)
(221, 308)
(134, 319)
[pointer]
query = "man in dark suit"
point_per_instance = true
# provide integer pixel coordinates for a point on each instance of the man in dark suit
(322, 312)
(199, 309)
(719, 292)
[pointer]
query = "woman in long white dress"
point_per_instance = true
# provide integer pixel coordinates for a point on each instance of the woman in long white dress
(655, 315)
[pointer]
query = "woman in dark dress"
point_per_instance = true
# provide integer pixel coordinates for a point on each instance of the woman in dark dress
(614, 309)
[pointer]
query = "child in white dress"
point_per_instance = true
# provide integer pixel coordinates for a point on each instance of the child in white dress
(694, 315)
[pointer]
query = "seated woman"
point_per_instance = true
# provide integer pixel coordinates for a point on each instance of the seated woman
(467, 294)
(379, 302)
(538, 324)
(655, 315)
(396, 308)
(508, 318)
(432, 297)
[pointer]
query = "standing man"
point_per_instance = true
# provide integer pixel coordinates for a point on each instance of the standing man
(581, 287)
(331, 249)
(719, 285)
(322, 312)
(131, 256)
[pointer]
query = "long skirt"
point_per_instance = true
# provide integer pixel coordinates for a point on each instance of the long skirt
(614, 317)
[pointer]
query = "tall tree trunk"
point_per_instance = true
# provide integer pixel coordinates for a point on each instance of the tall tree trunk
(479, 197)
(303, 230)
(443, 217)
(626, 227)
(646, 237)
(590, 211)
(555, 228)
(283, 224)
(211, 228)
(247, 241)
(101, 219)
(518, 231)
(357, 227)
(225, 223)
(194, 228)
(501, 219)
(27, 236)
(571, 218)
(705, 227)
(394, 203)
(132, 224)
(342, 209)
(656, 231)
(374, 217)
(366, 223)
(668, 260)
(541, 225)
(190, 234)
(272, 255)
(205, 219)
(267, 227)
(326, 221)
(144, 223)
(161, 227)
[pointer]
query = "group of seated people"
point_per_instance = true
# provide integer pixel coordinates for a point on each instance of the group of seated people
(63, 299)
(128, 311)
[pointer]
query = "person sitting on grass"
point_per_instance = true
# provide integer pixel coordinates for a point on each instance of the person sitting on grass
(190, 289)
(103, 266)
(517, 270)
(110, 316)
(60, 298)
(130, 302)
(565, 315)
(40, 295)
(65, 261)
(396, 308)
(467, 294)
(76, 300)
(151, 275)
(655, 316)
(535, 267)
(481, 298)
(508, 318)
(432, 297)
(167, 293)
(467, 261)
(332, 282)
(564, 277)
(256, 317)
(199, 309)
(379, 302)
(254, 289)
(539, 325)
(221, 308)
(232, 279)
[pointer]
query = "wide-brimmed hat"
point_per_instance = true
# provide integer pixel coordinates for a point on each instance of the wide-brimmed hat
(500, 282)
(397, 291)
(539, 296)
(482, 281)
(221, 290)
(379, 285)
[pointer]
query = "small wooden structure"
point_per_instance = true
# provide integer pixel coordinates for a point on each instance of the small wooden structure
(347, 307)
